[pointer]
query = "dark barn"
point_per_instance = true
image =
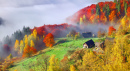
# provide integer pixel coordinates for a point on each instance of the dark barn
(89, 44)
(87, 35)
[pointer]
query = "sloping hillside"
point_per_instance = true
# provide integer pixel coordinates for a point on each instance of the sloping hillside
(59, 51)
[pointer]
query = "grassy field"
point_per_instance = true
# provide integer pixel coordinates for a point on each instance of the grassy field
(59, 50)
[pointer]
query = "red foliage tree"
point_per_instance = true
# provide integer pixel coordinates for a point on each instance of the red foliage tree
(112, 16)
(111, 30)
(44, 30)
(28, 51)
(49, 40)
(112, 11)
(6, 48)
(101, 4)
(103, 17)
(128, 12)
(41, 31)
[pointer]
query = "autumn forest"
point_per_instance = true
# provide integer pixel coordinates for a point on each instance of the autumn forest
(95, 38)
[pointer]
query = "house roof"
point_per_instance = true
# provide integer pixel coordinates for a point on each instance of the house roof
(90, 42)
(88, 34)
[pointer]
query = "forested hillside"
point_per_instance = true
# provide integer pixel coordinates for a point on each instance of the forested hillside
(103, 12)
(63, 47)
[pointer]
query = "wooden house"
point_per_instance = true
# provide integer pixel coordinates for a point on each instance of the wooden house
(89, 44)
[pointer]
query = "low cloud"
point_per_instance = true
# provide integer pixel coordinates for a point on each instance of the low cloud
(1, 21)
(19, 13)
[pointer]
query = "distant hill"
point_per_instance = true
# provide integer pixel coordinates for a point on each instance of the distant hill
(103, 12)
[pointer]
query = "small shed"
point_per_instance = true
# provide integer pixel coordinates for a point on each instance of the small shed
(102, 45)
(99, 47)
(87, 35)
(98, 44)
(89, 44)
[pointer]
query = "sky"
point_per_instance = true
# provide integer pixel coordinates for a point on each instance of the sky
(18, 13)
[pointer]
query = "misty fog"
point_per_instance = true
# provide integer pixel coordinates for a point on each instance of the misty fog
(19, 13)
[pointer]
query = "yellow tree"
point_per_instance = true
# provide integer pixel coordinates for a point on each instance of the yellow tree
(120, 51)
(35, 33)
(79, 34)
(88, 59)
(116, 57)
(81, 20)
(54, 64)
(72, 68)
(31, 37)
(76, 36)
(21, 46)
(126, 44)
(92, 62)
(10, 56)
(25, 41)
(123, 23)
(84, 18)
(16, 45)
(32, 44)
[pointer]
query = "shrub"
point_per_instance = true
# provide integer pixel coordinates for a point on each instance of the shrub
(69, 52)
(8, 65)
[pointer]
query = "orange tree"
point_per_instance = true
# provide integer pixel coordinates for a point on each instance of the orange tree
(111, 30)
(49, 40)
(28, 51)
(128, 12)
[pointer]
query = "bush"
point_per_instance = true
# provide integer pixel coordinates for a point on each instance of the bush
(77, 55)
(69, 52)
(8, 65)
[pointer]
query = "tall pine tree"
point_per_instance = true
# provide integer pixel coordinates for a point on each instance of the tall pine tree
(97, 9)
